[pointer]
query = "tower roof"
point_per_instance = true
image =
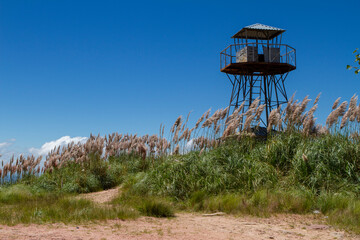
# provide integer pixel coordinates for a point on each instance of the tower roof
(259, 31)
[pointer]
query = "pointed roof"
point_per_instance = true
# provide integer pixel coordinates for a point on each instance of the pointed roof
(259, 31)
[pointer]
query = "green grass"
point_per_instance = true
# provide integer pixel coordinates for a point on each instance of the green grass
(225, 168)
(288, 173)
(325, 163)
(147, 205)
(342, 210)
(154, 208)
(19, 204)
(74, 178)
(259, 203)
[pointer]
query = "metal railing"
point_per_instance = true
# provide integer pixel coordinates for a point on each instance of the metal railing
(253, 52)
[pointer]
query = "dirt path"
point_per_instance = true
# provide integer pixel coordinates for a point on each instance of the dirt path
(183, 226)
(101, 197)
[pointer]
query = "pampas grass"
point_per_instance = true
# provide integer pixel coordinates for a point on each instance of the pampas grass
(210, 130)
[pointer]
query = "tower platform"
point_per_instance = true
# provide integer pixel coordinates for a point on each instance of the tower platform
(257, 67)
(248, 58)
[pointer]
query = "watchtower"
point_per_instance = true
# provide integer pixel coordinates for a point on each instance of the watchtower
(257, 65)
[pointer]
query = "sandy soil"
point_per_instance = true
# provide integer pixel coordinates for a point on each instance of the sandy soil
(101, 197)
(183, 226)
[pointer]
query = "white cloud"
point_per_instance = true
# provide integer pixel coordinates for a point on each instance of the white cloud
(189, 145)
(7, 143)
(6, 148)
(48, 146)
(4, 144)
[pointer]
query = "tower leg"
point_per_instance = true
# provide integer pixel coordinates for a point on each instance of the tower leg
(246, 88)
(266, 100)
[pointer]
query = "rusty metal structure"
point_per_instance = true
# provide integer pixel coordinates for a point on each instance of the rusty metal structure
(257, 65)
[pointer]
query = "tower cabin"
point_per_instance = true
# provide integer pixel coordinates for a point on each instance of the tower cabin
(258, 50)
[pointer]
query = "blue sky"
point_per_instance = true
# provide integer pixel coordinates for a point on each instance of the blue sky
(71, 68)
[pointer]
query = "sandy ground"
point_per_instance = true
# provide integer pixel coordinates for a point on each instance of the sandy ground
(183, 226)
(101, 197)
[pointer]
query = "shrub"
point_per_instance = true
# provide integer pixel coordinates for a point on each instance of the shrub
(156, 208)
(75, 178)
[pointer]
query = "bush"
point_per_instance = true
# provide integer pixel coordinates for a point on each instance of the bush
(75, 178)
(156, 208)
(146, 204)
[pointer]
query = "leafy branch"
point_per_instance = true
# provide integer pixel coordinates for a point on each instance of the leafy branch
(357, 60)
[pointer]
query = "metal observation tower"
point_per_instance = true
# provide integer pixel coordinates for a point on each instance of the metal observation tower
(257, 65)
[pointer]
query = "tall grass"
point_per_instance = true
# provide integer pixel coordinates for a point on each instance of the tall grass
(224, 168)
(218, 164)
(210, 131)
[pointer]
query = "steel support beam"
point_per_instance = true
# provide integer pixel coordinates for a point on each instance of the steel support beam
(270, 89)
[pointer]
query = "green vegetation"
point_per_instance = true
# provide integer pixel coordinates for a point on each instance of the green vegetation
(328, 163)
(341, 209)
(218, 165)
(357, 60)
(96, 175)
(147, 205)
(20, 204)
(287, 173)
